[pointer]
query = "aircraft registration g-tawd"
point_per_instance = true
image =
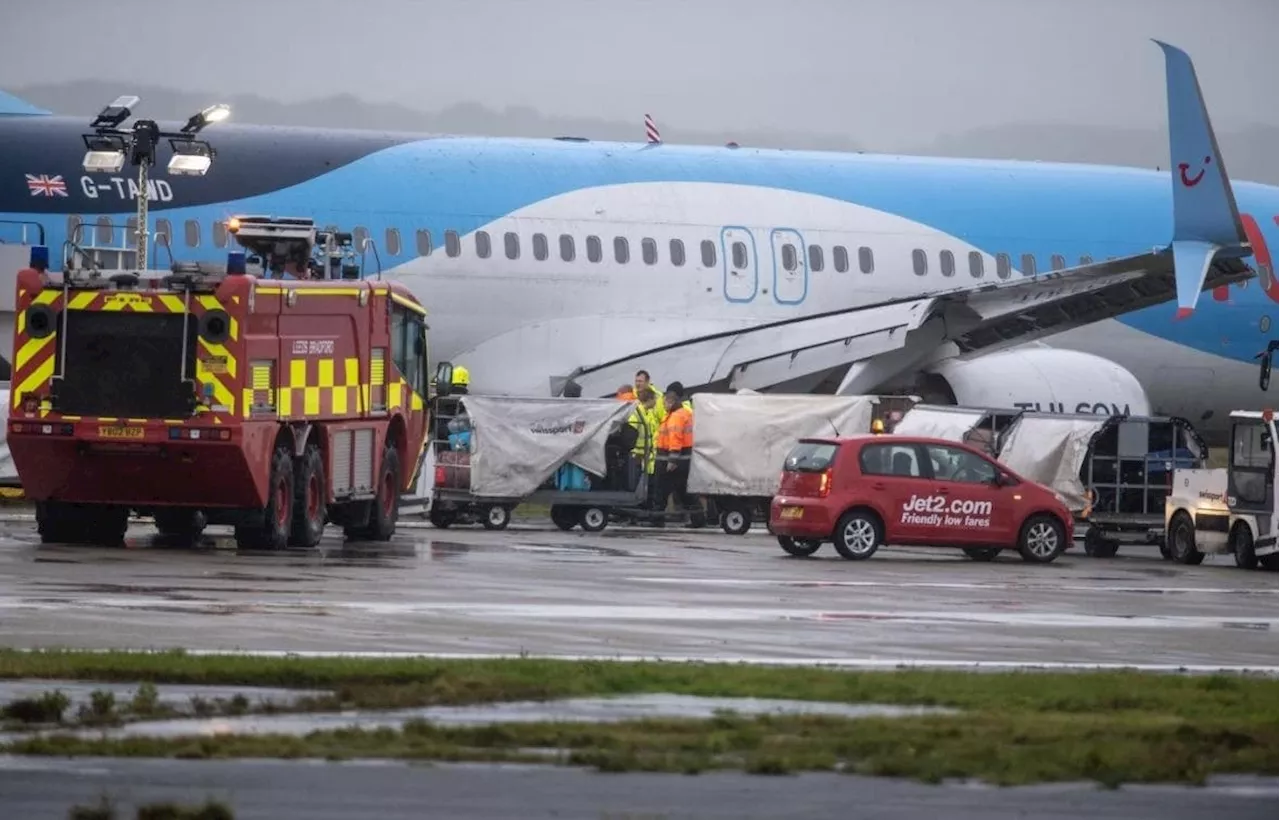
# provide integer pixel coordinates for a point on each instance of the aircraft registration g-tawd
(986, 283)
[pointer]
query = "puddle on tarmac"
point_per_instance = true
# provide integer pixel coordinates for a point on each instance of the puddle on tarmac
(594, 710)
(176, 695)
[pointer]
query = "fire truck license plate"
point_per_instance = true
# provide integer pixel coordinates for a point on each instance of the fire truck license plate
(120, 432)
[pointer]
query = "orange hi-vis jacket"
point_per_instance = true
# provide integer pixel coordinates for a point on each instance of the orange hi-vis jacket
(675, 436)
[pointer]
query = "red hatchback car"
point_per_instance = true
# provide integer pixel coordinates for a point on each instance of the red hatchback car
(864, 491)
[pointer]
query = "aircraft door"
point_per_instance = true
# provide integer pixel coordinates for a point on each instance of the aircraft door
(741, 271)
(790, 267)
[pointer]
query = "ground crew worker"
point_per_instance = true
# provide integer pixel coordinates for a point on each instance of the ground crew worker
(642, 381)
(877, 427)
(645, 453)
(675, 449)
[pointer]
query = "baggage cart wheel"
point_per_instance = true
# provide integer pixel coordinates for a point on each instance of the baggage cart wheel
(858, 535)
(983, 554)
(734, 521)
(309, 505)
(1242, 546)
(180, 525)
(1182, 540)
(1097, 546)
(442, 519)
(496, 517)
(799, 547)
(1042, 540)
(1269, 562)
(566, 518)
(593, 519)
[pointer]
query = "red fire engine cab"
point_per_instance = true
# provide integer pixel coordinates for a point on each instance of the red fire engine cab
(216, 396)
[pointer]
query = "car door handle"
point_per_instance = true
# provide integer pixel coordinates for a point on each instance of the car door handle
(879, 485)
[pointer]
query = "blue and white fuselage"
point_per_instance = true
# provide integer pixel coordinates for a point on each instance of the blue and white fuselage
(541, 259)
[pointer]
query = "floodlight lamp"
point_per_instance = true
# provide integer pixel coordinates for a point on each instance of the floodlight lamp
(210, 115)
(116, 113)
(103, 162)
(191, 165)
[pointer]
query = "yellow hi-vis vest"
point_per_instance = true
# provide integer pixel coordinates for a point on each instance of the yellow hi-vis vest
(647, 423)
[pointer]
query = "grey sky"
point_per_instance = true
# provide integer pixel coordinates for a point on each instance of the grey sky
(889, 71)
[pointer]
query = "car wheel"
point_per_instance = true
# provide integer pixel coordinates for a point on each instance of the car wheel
(858, 535)
(1043, 538)
(982, 553)
(799, 547)
(734, 521)
(1182, 540)
(1242, 546)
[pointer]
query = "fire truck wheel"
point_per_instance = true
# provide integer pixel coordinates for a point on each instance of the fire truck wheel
(386, 507)
(308, 499)
(277, 518)
(1182, 540)
(496, 517)
(1269, 562)
(60, 523)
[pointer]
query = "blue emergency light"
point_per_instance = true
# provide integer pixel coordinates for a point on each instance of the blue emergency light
(235, 263)
(40, 257)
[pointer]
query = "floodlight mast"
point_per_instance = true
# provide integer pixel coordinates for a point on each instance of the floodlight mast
(109, 144)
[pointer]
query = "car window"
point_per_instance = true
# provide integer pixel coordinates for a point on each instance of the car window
(809, 457)
(954, 464)
(889, 459)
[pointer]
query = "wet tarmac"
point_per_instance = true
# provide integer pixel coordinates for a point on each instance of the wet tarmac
(45, 789)
(634, 592)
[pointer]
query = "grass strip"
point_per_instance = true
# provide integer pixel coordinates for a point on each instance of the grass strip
(1007, 749)
(402, 683)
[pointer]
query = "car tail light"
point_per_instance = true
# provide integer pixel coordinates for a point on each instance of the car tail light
(824, 483)
(42, 428)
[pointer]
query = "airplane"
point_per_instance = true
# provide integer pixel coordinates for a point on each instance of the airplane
(1062, 287)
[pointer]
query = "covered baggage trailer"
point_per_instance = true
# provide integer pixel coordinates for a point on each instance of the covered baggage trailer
(980, 427)
(1231, 509)
(740, 441)
(1113, 472)
(513, 449)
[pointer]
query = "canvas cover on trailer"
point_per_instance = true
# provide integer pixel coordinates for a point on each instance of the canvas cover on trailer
(939, 421)
(741, 440)
(518, 442)
(1050, 450)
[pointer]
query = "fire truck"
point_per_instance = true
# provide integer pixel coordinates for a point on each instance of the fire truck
(212, 395)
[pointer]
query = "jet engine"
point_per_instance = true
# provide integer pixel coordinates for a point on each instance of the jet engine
(1041, 379)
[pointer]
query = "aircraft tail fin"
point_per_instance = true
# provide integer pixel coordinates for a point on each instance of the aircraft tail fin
(15, 106)
(1206, 220)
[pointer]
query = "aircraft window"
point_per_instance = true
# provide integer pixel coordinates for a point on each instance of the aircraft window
(739, 250)
(191, 232)
(102, 236)
(163, 228)
(219, 234)
(677, 252)
(131, 233)
(840, 258)
(649, 251)
(567, 250)
(1028, 264)
(708, 253)
(789, 260)
(1002, 265)
(484, 247)
(948, 261)
(595, 250)
(1266, 276)
(540, 249)
(1057, 262)
(423, 238)
(815, 258)
(621, 250)
(975, 264)
(452, 244)
(919, 262)
(511, 243)
(866, 260)
(1086, 259)
(393, 241)
(358, 237)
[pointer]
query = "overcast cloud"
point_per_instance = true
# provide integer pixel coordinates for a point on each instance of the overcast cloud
(887, 75)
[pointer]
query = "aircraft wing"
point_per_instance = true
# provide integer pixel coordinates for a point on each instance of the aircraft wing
(880, 341)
